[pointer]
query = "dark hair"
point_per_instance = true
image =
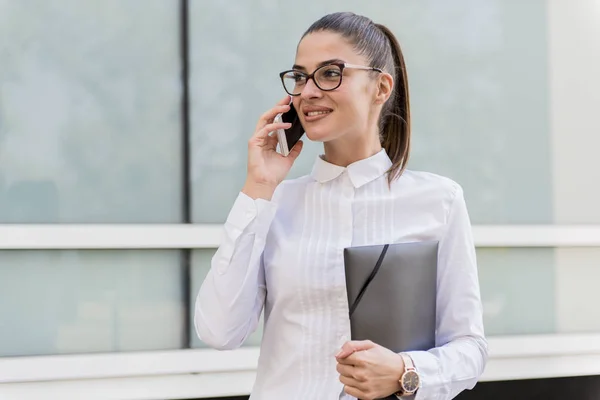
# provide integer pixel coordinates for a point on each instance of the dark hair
(380, 46)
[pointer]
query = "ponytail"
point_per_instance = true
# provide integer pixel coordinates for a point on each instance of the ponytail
(394, 126)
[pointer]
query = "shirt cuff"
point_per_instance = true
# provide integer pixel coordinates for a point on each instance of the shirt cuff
(247, 210)
(428, 367)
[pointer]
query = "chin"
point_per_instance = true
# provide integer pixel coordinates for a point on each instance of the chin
(317, 135)
(320, 132)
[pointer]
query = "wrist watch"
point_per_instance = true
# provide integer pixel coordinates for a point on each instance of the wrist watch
(410, 380)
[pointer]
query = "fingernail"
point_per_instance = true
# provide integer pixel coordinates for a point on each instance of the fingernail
(339, 353)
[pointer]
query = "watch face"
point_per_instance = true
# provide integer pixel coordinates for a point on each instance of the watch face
(410, 381)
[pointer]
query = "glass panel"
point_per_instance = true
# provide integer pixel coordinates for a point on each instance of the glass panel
(577, 294)
(89, 111)
(60, 302)
(200, 267)
(517, 290)
(478, 76)
(535, 290)
(575, 102)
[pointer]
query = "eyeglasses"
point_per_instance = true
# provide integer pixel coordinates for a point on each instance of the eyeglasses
(327, 78)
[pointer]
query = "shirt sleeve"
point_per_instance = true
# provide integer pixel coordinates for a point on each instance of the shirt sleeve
(232, 296)
(460, 355)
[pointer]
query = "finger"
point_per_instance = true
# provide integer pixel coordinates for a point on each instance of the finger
(353, 346)
(281, 107)
(354, 359)
(285, 100)
(272, 142)
(350, 382)
(295, 152)
(355, 392)
(262, 133)
(345, 370)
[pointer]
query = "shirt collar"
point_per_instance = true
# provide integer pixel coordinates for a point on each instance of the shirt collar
(360, 172)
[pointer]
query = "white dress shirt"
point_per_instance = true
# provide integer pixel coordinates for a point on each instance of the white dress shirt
(286, 256)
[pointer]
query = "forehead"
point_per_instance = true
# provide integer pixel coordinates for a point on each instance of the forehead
(317, 47)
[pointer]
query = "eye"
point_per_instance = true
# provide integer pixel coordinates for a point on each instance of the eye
(331, 72)
(298, 77)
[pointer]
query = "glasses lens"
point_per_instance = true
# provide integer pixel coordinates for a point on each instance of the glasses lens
(294, 82)
(328, 77)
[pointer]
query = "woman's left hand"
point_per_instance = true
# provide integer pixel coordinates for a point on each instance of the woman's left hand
(368, 370)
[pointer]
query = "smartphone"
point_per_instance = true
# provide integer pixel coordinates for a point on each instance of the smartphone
(289, 137)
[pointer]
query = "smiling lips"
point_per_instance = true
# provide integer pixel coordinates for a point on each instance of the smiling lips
(310, 114)
(313, 114)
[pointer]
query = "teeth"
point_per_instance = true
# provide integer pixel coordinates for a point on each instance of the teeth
(313, 113)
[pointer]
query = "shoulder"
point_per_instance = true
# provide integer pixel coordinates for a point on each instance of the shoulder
(429, 188)
(430, 182)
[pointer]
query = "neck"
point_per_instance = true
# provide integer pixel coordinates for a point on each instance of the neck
(344, 152)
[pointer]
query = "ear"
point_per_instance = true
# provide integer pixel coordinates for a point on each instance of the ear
(384, 88)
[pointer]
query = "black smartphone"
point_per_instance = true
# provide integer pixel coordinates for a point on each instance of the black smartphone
(289, 137)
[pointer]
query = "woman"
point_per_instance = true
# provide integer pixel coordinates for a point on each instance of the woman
(284, 240)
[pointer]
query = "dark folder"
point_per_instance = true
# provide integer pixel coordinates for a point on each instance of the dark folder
(392, 294)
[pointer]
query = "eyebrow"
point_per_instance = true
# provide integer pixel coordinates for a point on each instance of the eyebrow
(334, 60)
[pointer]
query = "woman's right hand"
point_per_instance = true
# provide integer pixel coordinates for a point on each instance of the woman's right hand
(266, 167)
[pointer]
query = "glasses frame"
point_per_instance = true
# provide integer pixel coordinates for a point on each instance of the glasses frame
(341, 65)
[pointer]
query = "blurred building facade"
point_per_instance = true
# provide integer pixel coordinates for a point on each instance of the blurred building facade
(123, 130)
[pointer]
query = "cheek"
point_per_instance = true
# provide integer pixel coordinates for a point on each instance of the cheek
(296, 102)
(353, 104)
(360, 92)
(345, 99)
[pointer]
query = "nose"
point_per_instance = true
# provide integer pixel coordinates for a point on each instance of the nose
(310, 90)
